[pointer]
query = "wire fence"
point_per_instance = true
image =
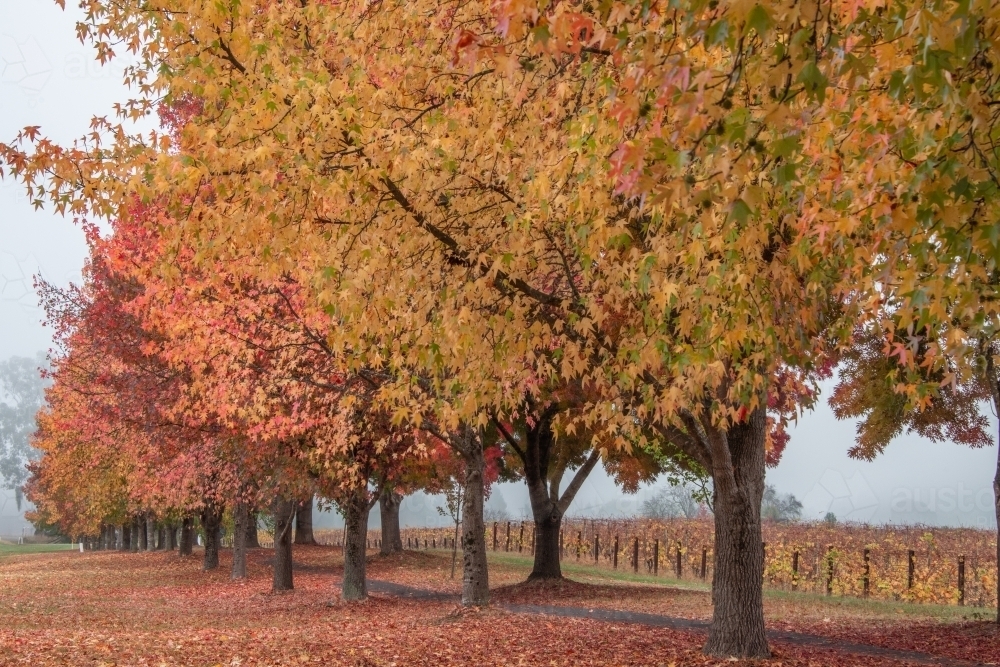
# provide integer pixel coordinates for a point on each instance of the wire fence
(910, 563)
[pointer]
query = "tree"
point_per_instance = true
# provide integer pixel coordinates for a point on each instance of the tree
(779, 507)
(673, 502)
(672, 209)
(22, 394)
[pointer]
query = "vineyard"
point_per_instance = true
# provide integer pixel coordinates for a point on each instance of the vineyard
(899, 563)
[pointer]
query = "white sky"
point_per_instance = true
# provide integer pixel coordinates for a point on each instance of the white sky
(48, 78)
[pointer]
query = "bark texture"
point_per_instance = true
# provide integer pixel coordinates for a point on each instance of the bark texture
(475, 574)
(211, 520)
(737, 583)
(186, 546)
(150, 533)
(284, 511)
(355, 544)
(143, 535)
(304, 522)
(170, 533)
(126, 544)
(252, 540)
(133, 544)
(241, 516)
(388, 505)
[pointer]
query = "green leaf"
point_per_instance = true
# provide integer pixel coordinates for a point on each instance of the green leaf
(759, 20)
(717, 33)
(814, 80)
(740, 211)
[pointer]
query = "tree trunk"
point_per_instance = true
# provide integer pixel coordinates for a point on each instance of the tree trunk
(150, 533)
(251, 530)
(186, 547)
(241, 514)
(388, 507)
(475, 574)
(170, 533)
(133, 544)
(355, 543)
(548, 506)
(547, 527)
(284, 511)
(737, 628)
(211, 518)
(143, 535)
(126, 544)
(304, 522)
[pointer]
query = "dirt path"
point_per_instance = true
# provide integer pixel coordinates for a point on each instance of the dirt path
(673, 623)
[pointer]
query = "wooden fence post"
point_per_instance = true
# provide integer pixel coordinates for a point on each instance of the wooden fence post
(866, 578)
(829, 569)
(597, 548)
(579, 543)
(704, 563)
(795, 569)
(656, 557)
(635, 556)
(494, 536)
(679, 566)
(507, 545)
(961, 581)
(615, 557)
(520, 541)
(910, 568)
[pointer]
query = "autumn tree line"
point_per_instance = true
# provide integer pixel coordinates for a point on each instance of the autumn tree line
(634, 234)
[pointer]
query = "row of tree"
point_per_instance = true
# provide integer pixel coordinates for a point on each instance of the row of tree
(618, 231)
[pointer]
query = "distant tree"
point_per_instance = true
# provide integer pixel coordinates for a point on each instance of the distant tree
(22, 394)
(830, 519)
(673, 502)
(779, 507)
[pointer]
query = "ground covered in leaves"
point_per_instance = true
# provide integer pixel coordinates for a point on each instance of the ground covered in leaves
(159, 609)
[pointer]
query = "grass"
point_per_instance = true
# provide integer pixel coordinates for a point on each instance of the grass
(11, 549)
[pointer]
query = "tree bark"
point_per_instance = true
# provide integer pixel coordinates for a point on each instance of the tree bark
(186, 547)
(143, 535)
(133, 544)
(388, 506)
(737, 628)
(355, 543)
(241, 515)
(251, 530)
(170, 534)
(304, 522)
(284, 511)
(475, 573)
(546, 562)
(150, 529)
(161, 537)
(126, 544)
(211, 518)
